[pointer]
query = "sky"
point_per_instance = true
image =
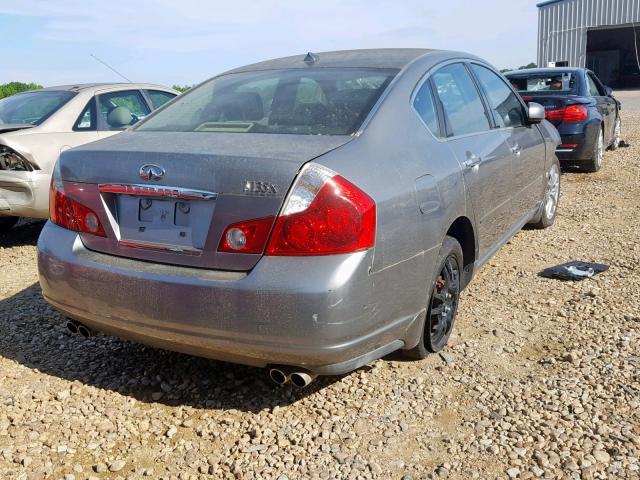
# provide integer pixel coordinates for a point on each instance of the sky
(187, 41)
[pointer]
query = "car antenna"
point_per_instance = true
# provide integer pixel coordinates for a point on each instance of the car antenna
(110, 67)
(311, 58)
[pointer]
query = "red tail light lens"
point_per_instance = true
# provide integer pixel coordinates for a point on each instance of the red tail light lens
(246, 237)
(68, 213)
(325, 214)
(569, 114)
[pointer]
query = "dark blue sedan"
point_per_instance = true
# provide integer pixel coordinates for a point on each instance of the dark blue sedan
(583, 110)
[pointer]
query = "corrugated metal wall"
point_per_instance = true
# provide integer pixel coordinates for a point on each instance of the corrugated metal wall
(563, 25)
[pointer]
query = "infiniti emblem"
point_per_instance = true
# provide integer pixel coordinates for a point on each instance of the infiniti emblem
(151, 172)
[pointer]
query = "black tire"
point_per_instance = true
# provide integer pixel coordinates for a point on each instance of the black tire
(7, 222)
(444, 297)
(617, 134)
(595, 162)
(549, 207)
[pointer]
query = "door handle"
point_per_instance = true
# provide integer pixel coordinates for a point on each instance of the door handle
(472, 160)
(516, 150)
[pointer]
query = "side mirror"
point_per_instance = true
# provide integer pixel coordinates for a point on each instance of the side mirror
(608, 91)
(119, 117)
(535, 112)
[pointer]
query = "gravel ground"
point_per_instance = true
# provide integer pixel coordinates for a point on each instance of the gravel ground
(541, 378)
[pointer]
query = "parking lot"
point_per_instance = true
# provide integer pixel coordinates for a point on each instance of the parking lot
(541, 378)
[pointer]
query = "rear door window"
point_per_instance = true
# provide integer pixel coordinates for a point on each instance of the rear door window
(594, 90)
(425, 107)
(87, 119)
(159, 98)
(119, 110)
(506, 109)
(463, 109)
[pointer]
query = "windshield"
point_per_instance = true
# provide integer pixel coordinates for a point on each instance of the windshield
(560, 83)
(322, 101)
(32, 108)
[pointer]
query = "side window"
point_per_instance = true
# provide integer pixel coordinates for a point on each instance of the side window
(119, 110)
(87, 119)
(159, 98)
(463, 109)
(594, 91)
(426, 108)
(505, 106)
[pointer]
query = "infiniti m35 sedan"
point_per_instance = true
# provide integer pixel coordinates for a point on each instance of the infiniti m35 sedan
(307, 214)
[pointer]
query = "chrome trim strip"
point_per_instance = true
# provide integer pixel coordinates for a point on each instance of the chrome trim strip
(160, 247)
(156, 191)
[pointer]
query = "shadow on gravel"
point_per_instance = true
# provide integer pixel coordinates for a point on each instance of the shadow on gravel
(34, 334)
(26, 232)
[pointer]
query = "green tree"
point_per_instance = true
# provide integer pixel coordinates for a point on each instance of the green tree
(528, 65)
(182, 88)
(12, 88)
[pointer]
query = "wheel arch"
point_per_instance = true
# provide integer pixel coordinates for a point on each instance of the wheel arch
(462, 230)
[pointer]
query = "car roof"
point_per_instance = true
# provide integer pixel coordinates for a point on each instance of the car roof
(395, 58)
(79, 87)
(547, 70)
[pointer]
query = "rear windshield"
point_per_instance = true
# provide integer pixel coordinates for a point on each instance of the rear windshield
(321, 101)
(32, 108)
(561, 83)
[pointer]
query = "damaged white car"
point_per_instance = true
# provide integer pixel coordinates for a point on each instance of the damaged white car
(36, 126)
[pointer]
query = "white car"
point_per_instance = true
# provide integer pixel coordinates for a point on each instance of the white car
(36, 126)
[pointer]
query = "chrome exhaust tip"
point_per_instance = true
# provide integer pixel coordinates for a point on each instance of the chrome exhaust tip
(278, 376)
(85, 331)
(302, 379)
(72, 326)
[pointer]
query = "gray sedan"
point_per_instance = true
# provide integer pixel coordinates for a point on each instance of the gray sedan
(307, 214)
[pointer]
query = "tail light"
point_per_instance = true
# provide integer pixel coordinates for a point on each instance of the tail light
(68, 213)
(246, 237)
(325, 214)
(569, 114)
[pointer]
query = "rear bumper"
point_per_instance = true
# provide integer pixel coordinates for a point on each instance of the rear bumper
(315, 312)
(582, 145)
(24, 194)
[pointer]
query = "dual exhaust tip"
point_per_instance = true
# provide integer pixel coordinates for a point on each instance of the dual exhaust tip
(76, 327)
(297, 378)
(280, 376)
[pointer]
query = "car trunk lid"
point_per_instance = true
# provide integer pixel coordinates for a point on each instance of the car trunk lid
(194, 186)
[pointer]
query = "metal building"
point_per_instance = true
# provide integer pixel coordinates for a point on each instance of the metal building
(601, 35)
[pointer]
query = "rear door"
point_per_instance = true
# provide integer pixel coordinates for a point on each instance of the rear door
(525, 141)
(481, 150)
(111, 116)
(605, 104)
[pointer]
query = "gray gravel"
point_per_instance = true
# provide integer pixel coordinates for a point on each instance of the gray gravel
(541, 379)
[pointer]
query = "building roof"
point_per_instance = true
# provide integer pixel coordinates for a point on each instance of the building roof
(548, 2)
(366, 58)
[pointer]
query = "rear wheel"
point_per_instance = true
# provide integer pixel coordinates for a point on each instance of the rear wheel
(7, 222)
(617, 134)
(549, 207)
(444, 297)
(595, 162)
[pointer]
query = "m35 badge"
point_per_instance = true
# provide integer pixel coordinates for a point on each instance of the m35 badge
(260, 188)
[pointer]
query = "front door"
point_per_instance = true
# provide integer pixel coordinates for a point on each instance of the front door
(524, 141)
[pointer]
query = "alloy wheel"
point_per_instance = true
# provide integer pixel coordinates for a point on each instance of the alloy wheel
(600, 150)
(444, 301)
(553, 191)
(617, 134)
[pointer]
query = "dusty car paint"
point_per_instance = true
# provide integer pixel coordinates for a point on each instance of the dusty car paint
(324, 314)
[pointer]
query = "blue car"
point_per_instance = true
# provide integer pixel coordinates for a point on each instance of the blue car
(583, 110)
